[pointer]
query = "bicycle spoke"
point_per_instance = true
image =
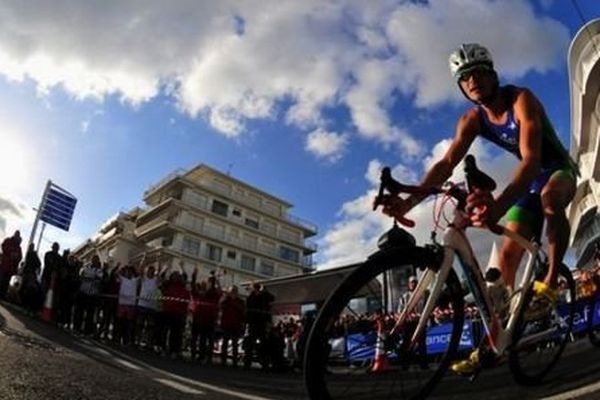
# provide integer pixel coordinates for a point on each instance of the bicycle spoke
(361, 361)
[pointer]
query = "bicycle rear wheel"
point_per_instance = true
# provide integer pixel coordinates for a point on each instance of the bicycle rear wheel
(539, 341)
(344, 344)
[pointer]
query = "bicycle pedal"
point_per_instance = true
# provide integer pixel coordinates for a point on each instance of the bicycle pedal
(474, 375)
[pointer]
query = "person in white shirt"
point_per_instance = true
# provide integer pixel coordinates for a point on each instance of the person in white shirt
(128, 279)
(147, 308)
(87, 298)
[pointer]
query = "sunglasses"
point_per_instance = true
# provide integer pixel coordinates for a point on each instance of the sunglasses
(476, 72)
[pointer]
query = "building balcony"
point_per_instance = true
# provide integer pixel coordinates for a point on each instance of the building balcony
(307, 227)
(583, 215)
(228, 239)
(308, 246)
(178, 173)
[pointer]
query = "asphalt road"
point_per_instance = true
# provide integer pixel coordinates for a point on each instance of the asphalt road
(40, 361)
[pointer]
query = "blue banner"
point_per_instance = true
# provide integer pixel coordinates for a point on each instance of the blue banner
(360, 347)
(587, 312)
(438, 337)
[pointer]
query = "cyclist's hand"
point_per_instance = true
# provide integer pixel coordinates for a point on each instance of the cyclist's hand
(397, 207)
(482, 208)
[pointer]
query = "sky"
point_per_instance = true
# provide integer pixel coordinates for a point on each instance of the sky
(306, 100)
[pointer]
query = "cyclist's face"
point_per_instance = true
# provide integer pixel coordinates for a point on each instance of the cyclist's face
(478, 83)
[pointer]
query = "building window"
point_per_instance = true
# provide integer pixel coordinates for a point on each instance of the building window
(237, 212)
(213, 252)
(190, 246)
(248, 263)
(231, 254)
(251, 223)
(219, 207)
(267, 268)
(288, 254)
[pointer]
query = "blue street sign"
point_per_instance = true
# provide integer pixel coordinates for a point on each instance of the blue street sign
(57, 208)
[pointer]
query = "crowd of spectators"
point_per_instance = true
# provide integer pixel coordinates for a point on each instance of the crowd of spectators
(160, 308)
(150, 307)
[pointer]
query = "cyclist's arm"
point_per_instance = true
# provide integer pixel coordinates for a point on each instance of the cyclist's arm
(467, 129)
(528, 113)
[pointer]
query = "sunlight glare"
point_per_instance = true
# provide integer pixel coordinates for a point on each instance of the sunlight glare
(14, 164)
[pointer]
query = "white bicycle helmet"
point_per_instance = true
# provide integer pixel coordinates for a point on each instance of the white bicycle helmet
(468, 57)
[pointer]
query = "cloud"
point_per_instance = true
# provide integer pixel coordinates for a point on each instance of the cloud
(424, 33)
(12, 214)
(230, 62)
(355, 234)
(326, 145)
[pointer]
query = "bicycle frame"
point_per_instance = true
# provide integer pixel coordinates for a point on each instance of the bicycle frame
(457, 245)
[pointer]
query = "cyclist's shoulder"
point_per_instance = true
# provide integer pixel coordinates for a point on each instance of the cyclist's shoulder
(470, 120)
(523, 97)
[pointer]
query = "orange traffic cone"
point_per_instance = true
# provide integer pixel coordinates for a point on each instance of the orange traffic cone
(47, 310)
(380, 363)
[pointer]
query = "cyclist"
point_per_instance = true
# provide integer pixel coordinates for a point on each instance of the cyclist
(543, 182)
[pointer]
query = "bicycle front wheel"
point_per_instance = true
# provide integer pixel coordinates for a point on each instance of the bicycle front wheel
(540, 338)
(350, 356)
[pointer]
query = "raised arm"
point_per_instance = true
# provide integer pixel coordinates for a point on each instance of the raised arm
(466, 132)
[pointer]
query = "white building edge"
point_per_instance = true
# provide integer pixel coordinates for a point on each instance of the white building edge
(584, 80)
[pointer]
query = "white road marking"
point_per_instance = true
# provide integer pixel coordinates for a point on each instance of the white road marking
(127, 364)
(200, 384)
(111, 356)
(95, 349)
(178, 386)
(575, 393)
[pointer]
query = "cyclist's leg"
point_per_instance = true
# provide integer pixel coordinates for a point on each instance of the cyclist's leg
(524, 220)
(556, 195)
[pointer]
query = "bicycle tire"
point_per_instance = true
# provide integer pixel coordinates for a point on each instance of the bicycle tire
(318, 375)
(594, 336)
(522, 372)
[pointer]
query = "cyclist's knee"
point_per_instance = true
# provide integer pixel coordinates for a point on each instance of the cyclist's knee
(553, 207)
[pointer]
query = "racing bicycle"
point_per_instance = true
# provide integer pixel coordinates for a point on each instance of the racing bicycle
(362, 346)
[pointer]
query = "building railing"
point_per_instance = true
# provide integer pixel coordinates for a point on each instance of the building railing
(244, 199)
(179, 172)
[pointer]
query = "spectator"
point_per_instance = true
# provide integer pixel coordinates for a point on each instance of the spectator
(30, 288)
(232, 323)
(62, 288)
(147, 308)
(52, 261)
(587, 286)
(9, 263)
(258, 315)
(108, 302)
(87, 297)
(205, 297)
(174, 312)
(70, 285)
(304, 329)
(128, 279)
(412, 321)
(274, 348)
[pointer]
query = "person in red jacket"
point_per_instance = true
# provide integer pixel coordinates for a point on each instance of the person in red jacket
(9, 263)
(176, 297)
(232, 323)
(205, 297)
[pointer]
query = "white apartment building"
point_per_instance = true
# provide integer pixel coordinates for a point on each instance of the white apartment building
(584, 78)
(202, 218)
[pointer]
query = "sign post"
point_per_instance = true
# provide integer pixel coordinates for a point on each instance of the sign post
(56, 208)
